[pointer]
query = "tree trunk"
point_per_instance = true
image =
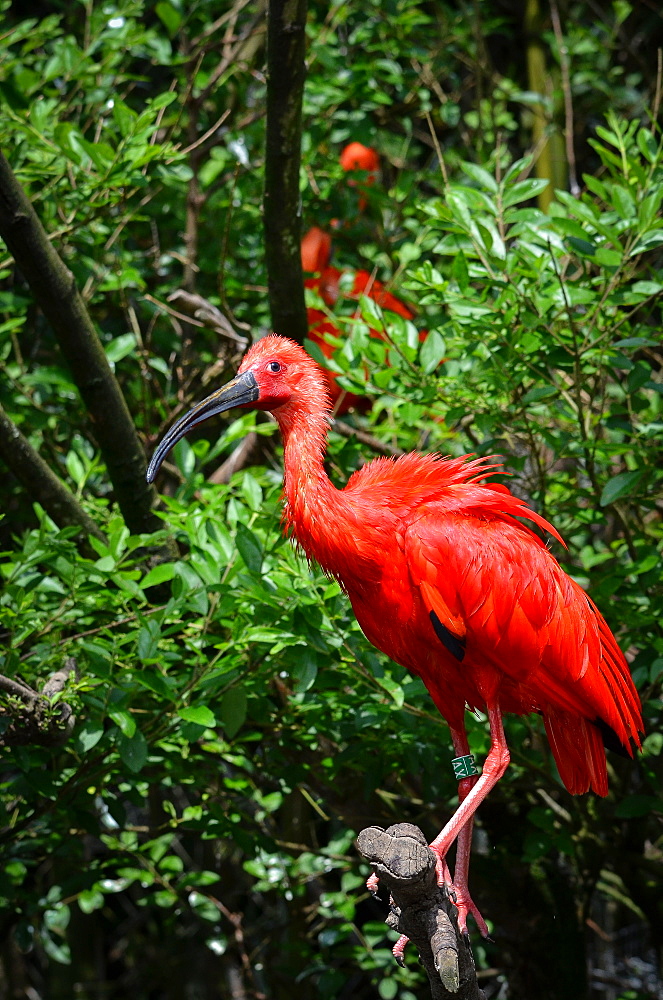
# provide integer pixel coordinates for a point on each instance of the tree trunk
(41, 483)
(286, 50)
(55, 291)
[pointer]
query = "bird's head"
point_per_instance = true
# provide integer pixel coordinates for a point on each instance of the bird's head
(276, 374)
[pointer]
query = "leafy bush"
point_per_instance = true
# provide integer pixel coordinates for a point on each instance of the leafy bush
(233, 729)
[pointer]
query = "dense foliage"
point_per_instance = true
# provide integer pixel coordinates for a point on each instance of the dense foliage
(192, 836)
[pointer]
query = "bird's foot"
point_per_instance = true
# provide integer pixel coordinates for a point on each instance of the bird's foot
(398, 951)
(372, 883)
(466, 906)
(459, 895)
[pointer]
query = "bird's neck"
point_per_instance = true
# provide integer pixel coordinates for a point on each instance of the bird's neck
(310, 496)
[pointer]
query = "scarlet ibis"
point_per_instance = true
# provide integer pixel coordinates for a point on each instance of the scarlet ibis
(356, 156)
(316, 249)
(445, 578)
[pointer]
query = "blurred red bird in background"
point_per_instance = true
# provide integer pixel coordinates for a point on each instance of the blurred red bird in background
(325, 279)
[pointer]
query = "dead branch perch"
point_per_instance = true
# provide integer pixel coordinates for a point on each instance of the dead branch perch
(420, 909)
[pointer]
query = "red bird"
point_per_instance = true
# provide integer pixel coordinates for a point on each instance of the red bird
(445, 578)
(356, 156)
(324, 278)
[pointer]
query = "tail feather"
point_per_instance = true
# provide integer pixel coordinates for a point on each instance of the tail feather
(577, 746)
(628, 721)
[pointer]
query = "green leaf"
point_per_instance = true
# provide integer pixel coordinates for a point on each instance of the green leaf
(460, 271)
(249, 548)
(75, 468)
(394, 688)
(147, 646)
(647, 288)
(164, 100)
(160, 573)
(306, 670)
(432, 351)
(388, 989)
(124, 117)
(607, 257)
(90, 900)
(252, 491)
(583, 247)
(120, 347)
(200, 715)
(232, 711)
(133, 751)
(620, 486)
(169, 16)
(524, 190)
(539, 392)
(481, 176)
(647, 144)
(124, 721)
(88, 735)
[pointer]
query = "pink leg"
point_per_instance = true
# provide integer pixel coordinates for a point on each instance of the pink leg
(460, 824)
(471, 792)
(463, 900)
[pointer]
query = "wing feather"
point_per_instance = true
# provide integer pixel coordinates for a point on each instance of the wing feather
(529, 630)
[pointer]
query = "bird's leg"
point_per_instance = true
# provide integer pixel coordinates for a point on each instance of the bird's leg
(472, 792)
(461, 893)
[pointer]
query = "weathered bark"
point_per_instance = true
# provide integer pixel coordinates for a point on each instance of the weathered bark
(286, 50)
(406, 865)
(40, 482)
(55, 291)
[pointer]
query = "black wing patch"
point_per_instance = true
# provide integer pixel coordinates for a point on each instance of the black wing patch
(611, 740)
(450, 641)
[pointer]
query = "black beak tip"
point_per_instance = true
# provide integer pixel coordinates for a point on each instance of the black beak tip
(243, 390)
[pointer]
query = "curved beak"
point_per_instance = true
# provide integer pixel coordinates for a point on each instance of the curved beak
(242, 390)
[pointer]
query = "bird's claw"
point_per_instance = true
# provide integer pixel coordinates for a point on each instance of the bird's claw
(466, 906)
(460, 897)
(372, 883)
(398, 951)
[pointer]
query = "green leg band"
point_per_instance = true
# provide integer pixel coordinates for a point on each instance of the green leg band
(464, 767)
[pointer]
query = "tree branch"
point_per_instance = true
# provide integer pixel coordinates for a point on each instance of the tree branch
(286, 50)
(36, 722)
(55, 291)
(406, 865)
(39, 480)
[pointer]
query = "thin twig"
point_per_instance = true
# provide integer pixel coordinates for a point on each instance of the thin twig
(438, 149)
(210, 131)
(659, 80)
(574, 187)
(372, 442)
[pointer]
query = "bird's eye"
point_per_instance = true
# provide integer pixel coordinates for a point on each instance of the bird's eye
(274, 367)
